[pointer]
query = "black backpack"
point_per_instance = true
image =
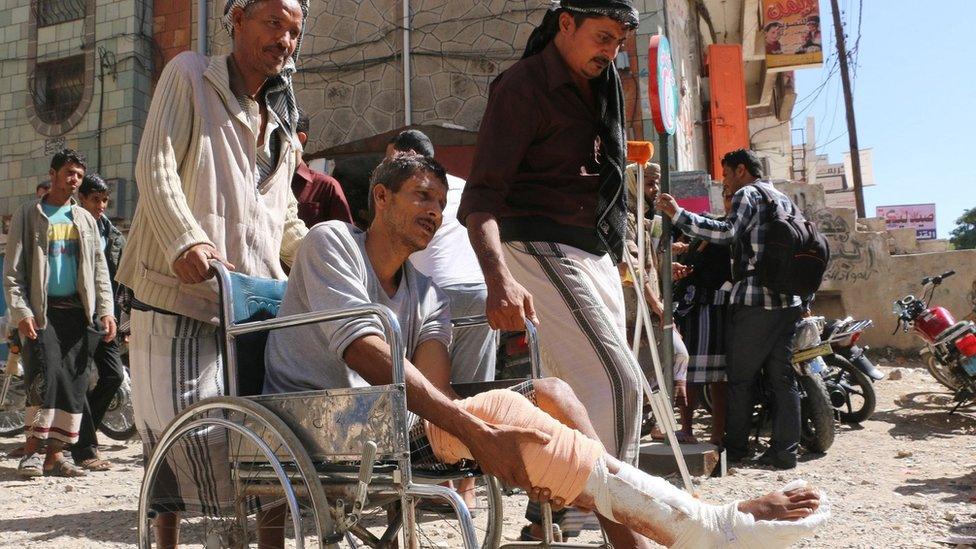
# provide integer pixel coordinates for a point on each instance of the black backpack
(795, 254)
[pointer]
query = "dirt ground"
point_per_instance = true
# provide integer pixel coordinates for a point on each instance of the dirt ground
(902, 479)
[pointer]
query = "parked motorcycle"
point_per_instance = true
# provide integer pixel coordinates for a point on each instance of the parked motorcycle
(13, 398)
(950, 346)
(816, 411)
(850, 375)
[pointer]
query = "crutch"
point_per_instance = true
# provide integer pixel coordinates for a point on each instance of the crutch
(641, 153)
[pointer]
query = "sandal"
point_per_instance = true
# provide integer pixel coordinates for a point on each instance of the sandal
(31, 466)
(64, 468)
(95, 464)
(16, 453)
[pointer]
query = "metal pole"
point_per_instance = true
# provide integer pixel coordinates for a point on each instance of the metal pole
(667, 346)
(202, 16)
(845, 78)
(407, 95)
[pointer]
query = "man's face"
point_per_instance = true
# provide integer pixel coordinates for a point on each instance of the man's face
(414, 213)
(66, 180)
(266, 34)
(774, 33)
(593, 45)
(735, 178)
(652, 182)
(95, 203)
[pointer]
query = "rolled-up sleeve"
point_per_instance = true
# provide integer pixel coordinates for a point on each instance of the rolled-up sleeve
(510, 124)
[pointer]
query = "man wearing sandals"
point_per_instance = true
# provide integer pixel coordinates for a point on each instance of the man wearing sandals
(536, 436)
(545, 210)
(214, 173)
(58, 288)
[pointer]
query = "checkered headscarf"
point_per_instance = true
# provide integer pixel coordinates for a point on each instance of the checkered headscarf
(279, 94)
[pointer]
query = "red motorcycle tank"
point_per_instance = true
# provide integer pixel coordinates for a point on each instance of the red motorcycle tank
(933, 322)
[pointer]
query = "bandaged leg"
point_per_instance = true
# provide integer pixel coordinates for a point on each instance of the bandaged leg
(653, 507)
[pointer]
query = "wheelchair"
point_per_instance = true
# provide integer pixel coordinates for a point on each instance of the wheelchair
(319, 468)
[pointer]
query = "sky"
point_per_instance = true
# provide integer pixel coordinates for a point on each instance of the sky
(914, 101)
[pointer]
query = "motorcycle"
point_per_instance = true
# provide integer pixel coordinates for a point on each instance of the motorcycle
(816, 410)
(950, 346)
(850, 375)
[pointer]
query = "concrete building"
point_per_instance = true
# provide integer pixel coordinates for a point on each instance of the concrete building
(871, 267)
(73, 73)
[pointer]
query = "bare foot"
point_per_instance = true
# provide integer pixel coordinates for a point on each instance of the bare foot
(792, 505)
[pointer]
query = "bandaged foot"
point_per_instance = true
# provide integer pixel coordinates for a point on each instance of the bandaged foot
(655, 508)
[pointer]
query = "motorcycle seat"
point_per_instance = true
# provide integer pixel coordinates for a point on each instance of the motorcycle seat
(958, 329)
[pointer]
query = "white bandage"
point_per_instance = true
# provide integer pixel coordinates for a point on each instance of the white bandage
(688, 522)
(598, 487)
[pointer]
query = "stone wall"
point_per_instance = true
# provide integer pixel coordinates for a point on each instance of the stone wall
(115, 33)
(351, 65)
(865, 277)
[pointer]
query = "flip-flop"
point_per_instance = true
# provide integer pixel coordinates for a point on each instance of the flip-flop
(64, 468)
(31, 466)
(95, 464)
(16, 453)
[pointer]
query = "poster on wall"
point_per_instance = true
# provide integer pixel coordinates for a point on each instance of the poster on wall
(791, 30)
(920, 217)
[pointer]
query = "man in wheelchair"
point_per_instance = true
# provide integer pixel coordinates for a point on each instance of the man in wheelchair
(536, 436)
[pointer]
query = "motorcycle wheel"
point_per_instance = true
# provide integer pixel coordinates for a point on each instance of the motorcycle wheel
(851, 392)
(816, 415)
(119, 422)
(940, 372)
(12, 407)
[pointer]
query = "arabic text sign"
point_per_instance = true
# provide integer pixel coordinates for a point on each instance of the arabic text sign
(920, 217)
(791, 30)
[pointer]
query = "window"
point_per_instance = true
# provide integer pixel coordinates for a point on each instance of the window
(52, 12)
(57, 88)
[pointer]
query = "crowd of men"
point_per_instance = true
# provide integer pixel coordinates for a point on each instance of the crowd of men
(537, 232)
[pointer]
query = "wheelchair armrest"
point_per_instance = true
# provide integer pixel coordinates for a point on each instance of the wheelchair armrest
(391, 328)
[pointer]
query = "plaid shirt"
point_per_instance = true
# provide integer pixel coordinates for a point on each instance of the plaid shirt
(748, 208)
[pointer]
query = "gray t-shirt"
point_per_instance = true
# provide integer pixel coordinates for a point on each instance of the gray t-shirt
(332, 272)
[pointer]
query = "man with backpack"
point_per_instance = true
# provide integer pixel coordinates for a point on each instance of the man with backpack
(777, 258)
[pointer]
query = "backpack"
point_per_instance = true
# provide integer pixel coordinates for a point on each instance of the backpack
(795, 254)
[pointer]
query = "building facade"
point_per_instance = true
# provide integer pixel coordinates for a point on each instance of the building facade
(75, 73)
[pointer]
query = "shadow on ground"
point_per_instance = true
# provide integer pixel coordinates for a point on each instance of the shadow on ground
(925, 415)
(114, 526)
(947, 489)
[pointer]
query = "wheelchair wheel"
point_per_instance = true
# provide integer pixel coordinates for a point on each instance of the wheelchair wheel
(437, 526)
(229, 474)
(14, 396)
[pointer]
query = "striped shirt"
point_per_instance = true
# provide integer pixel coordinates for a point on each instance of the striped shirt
(743, 226)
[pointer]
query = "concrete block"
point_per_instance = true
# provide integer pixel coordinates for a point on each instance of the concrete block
(656, 458)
